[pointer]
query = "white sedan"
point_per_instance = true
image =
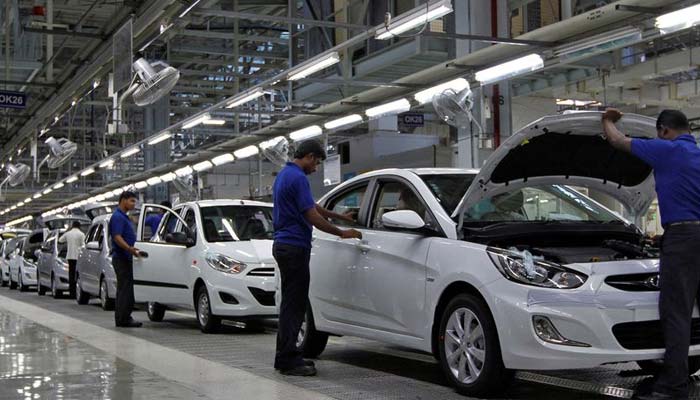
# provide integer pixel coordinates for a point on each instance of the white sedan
(213, 256)
(510, 267)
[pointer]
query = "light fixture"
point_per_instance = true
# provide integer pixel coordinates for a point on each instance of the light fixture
(313, 65)
(678, 20)
(159, 138)
(13, 208)
(72, 103)
(37, 195)
(416, 17)
(100, 197)
(27, 200)
(246, 152)
(344, 121)
(426, 96)
(245, 97)
(167, 177)
(47, 191)
(184, 171)
(130, 152)
(214, 122)
(528, 63)
(153, 181)
(223, 159)
(72, 179)
(87, 172)
(599, 44)
(306, 133)
(95, 83)
(107, 163)
(20, 204)
(117, 191)
(58, 185)
(394, 107)
(140, 185)
(196, 121)
(188, 9)
(269, 143)
(202, 166)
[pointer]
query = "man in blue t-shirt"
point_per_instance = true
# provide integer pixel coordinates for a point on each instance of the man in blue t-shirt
(121, 233)
(154, 220)
(675, 158)
(294, 214)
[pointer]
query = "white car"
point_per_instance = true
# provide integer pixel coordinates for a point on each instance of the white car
(22, 264)
(500, 269)
(212, 256)
(95, 275)
(51, 258)
(7, 245)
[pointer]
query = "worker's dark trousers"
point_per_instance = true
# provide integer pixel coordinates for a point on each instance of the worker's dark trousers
(680, 284)
(71, 277)
(293, 264)
(124, 303)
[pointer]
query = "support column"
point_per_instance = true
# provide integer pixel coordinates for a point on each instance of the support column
(156, 117)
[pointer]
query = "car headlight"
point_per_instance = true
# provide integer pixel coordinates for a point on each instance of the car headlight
(224, 263)
(523, 268)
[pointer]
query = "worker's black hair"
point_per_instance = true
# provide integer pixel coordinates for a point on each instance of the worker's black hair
(310, 147)
(672, 119)
(76, 224)
(127, 195)
(166, 204)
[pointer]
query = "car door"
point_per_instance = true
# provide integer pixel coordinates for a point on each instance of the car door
(334, 262)
(44, 265)
(390, 286)
(93, 257)
(162, 276)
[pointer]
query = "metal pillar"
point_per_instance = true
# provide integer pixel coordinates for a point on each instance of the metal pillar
(49, 41)
(157, 117)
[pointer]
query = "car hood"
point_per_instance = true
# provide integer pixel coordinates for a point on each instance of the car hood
(568, 149)
(247, 251)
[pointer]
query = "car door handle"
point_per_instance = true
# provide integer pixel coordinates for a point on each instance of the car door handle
(363, 246)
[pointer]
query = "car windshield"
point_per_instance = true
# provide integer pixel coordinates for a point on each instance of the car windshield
(66, 223)
(540, 203)
(448, 189)
(234, 223)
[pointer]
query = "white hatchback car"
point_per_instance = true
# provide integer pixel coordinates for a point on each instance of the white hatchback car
(8, 244)
(22, 264)
(214, 256)
(95, 275)
(500, 269)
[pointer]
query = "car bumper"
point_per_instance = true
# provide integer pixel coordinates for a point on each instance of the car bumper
(61, 277)
(242, 296)
(584, 315)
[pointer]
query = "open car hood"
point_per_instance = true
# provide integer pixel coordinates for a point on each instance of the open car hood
(568, 149)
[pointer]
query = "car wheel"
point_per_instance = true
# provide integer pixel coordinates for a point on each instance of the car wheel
(155, 311)
(468, 348)
(653, 367)
(81, 296)
(310, 341)
(105, 301)
(208, 323)
(54, 290)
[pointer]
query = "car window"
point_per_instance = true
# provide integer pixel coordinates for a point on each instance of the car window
(448, 189)
(348, 203)
(232, 222)
(91, 234)
(47, 246)
(99, 235)
(167, 226)
(190, 221)
(394, 196)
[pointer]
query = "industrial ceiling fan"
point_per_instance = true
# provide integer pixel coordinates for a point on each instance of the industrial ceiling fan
(60, 151)
(277, 153)
(455, 108)
(16, 174)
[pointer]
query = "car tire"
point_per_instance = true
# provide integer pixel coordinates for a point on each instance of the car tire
(155, 311)
(81, 296)
(479, 355)
(208, 322)
(310, 341)
(653, 367)
(55, 293)
(106, 302)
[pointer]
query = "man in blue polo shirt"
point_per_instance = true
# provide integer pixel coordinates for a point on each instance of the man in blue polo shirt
(675, 158)
(121, 232)
(294, 214)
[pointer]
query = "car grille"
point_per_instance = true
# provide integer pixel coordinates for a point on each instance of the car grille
(648, 334)
(266, 271)
(635, 282)
(263, 297)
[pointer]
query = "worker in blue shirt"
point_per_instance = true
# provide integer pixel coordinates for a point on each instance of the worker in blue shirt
(153, 220)
(121, 233)
(675, 158)
(294, 214)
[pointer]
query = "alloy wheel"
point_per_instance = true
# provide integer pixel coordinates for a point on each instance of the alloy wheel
(78, 290)
(465, 345)
(203, 309)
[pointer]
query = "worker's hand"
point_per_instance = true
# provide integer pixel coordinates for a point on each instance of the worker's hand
(350, 216)
(135, 252)
(612, 114)
(350, 234)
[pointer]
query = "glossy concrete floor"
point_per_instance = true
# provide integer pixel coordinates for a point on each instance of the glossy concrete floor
(56, 349)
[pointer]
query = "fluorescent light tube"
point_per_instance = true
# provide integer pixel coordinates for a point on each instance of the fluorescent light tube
(117, 191)
(168, 177)
(188, 9)
(72, 179)
(184, 171)
(245, 97)
(313, 65)
(306, 133)
(140, 185)
(599, 44)
(418, 16)
(13, 208)
(344, 121)
(678, 20)
(426, 96)
(246, 152)
(159, 138)
(107, 163)
(394, 107)
(196, 121)
(130, 152)
(37, 195)
(100, 197)
(20, 204)
(223, 159)
(58, 185)
(214, 122)
(269, 143)
(202, 166)
(87, 172)
(47, 191)
(153, 181)
(27, 200)
(529, 63)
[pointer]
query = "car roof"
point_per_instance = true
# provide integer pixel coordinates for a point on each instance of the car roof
(406, 172)
(226, 202)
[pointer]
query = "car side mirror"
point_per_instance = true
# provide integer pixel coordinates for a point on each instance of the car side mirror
(92, 246)
(180, 238)
(402, 219)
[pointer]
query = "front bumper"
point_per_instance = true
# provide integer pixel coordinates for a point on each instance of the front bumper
(242, 295)
(586, 315)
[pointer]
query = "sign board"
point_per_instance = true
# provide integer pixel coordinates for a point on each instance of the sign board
(122, 50)
(412, 120)
(331, 170)
(13, 99)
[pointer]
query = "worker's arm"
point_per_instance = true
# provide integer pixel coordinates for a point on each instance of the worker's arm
(316, 219)
(616, 138)
(325, 213)
(122, 243)
(62, 239)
